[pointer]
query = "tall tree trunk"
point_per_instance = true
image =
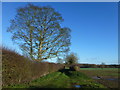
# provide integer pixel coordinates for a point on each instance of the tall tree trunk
(40, 50)
(31, 44)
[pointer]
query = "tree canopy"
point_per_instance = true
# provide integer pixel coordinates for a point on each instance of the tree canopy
(38, 32)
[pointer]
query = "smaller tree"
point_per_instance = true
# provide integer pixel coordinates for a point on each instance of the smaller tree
(71, 59)
(103, 65)
(60, 60)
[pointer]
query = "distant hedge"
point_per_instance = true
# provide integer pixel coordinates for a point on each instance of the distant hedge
(18, 69)
(97, 66)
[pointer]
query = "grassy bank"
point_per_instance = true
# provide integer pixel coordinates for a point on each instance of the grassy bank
(61, 80)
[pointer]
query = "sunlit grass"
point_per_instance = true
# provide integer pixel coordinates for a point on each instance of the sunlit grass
(101, 71)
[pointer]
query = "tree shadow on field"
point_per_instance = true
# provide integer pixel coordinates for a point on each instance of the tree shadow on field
(46, 86)
(65, 71)
(33, 87)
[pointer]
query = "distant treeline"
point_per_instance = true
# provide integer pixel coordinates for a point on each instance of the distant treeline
(97, 66)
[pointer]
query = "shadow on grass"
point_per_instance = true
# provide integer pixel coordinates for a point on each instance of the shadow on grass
(47, 86)
(65, 71)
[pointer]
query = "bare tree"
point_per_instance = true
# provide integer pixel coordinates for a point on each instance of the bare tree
(38, 32)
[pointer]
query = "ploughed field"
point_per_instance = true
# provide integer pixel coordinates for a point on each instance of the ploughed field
(106, 76)
(85, 78)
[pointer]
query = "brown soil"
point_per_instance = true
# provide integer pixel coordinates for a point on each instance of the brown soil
(104, 76)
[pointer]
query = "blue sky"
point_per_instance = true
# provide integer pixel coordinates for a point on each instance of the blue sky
(94, 28)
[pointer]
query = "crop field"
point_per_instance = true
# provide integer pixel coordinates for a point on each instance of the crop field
(106, 76)
(99, 69)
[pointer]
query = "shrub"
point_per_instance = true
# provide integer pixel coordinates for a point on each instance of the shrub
(14, 67)
(74, 68)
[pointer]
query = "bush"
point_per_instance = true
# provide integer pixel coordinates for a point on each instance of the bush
(74, 68)
(12, 67)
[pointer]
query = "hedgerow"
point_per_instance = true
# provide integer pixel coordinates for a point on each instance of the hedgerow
(18, 69)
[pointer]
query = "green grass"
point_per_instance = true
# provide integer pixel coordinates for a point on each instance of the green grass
(81, 79)
(56, 79)
(101, 71)
(61, 80)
